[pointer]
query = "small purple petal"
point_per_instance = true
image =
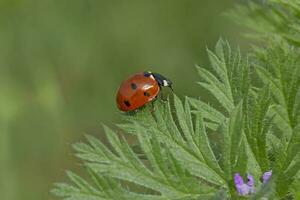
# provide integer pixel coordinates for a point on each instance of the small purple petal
(266, 176)
(242, 188)
(250, 180)
(238, 180)
(250, 183)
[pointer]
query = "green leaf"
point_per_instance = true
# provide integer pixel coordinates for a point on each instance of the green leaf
(186, 126)
(293, 147)
(235, 130)
(274, 84)
(207, 111)
(221, 195)
(205, 146)
(266, 191)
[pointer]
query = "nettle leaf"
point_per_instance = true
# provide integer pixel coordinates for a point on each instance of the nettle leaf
(207, 110)
(217, 85)
(279, 68)
(184, 144)
(265, 191)
(274, 84)
(204, 144)
(174, 168)
(277, 22)
(257, 126)
(292, 161)
(235, 129)
(229, 83)
(267, 18)
(233, 80)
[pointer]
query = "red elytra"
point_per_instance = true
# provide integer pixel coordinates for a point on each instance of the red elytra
(140, 89)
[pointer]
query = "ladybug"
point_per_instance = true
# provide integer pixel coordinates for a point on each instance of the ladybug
(140, 89)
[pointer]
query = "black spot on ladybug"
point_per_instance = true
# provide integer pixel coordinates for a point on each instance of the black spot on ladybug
(133, 86)
(147, 74)
(127, 103)
(146, 94)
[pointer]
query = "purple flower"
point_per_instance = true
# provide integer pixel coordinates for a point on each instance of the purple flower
(250, 183)
(242, 188)
(245, 189)
(266, 176)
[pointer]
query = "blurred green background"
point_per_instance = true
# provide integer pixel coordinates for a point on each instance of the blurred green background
(61, 62)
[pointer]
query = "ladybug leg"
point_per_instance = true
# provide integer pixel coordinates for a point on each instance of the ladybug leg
(163, 98)
(152, 106)
(132, 112)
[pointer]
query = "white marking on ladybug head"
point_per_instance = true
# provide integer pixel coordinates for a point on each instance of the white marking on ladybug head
(152, 77)
(165, 83)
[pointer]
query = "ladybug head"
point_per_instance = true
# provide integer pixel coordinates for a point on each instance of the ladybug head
(161, 80)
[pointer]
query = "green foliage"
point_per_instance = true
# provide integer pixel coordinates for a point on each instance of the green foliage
(266, 191)
(191, 149)
(270, 17)
(278, 68)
